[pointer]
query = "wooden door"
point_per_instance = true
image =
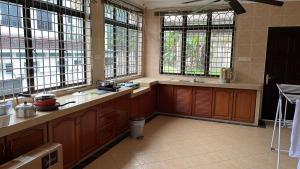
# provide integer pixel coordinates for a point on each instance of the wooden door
(165, 98)
(244, 105)
(183, 100)
(87, 131)
(282, 66)
(2, 151)
(202, 106)
(63, 131)
(222, 103)
(24, 141)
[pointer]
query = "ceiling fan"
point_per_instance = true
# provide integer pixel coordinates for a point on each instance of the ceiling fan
(236, 5)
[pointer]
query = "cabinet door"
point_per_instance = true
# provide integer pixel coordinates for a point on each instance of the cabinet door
(165, 98)
(122, 114)
(63, 131)
(87, 131)
(2, 151)
(244, 105)
(222, 103)
(202, 102)
(107, 128)
(24, 141)
(183, 100)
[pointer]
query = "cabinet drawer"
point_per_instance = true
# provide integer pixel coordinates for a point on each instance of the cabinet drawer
(107, 119)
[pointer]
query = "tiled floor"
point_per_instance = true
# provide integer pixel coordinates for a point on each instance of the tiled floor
(175, 143)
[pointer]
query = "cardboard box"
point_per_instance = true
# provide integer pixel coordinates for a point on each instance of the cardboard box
(47, 156)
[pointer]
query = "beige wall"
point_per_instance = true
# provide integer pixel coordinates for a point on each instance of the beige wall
(250, 39)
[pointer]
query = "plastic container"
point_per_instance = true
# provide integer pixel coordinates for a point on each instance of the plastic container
(137, 128)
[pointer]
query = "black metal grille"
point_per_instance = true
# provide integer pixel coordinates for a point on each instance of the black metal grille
(123, 41)
(44, 45)
(197, 44)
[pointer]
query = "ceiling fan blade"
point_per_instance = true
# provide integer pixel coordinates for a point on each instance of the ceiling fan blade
(270, 2)
(237, 7)
(188, 2)
(204, 6)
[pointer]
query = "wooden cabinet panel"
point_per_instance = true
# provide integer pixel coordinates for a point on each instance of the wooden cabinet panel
(222, 103)
(202, 106)
(63, 131)
(165, 98)
(153, 96)
(244, 105)
(2, 151)
(87, 131)
(24, 141)
(107, 133)
(183, 100)
(123, 114)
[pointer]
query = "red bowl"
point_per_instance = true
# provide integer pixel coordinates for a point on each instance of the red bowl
(49, 102)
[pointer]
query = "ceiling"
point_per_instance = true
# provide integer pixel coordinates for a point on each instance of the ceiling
(155, 4)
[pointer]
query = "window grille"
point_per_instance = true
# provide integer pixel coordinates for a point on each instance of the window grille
(197, 44)
(123, 41)
(44, 45)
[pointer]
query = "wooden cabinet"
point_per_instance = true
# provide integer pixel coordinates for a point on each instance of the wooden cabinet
(222, 103)
(107, 124)
(202, 106)
(63, 131)
(244, 105)
(183, 100)
(86, 131)
(123, 109)
(165, 98)
(2, 151)
(24, 141)
(153, 99)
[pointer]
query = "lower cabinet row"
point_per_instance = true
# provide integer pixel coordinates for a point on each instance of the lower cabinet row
(218, 103)
(80, 133)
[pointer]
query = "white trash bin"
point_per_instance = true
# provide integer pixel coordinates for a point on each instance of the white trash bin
(137, 128)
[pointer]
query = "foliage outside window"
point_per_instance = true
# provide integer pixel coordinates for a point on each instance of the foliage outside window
(197, 44)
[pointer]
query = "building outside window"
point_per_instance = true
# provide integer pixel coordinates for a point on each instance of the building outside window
(123, 41)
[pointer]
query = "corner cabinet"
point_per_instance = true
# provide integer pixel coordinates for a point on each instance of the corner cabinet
(165, 98)
(244, 106)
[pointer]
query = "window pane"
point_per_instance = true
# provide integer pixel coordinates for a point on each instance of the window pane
(220, 50)
(121, 48)
(46, 49)
(51, 1)
(109, 11)
(13, 78)
(109, 51)
(73, 4)
(224, 17)
(200, 19)
(121, 15)
(172, 51)
(195, 52)
(133, 51)
(132, 18)
(173, 20)
(74, 49)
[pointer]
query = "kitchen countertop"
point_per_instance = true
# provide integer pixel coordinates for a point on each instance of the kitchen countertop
(203, 83)
(88, 99)
(91, 98)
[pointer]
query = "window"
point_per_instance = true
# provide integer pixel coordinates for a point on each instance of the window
(44, 20)
(44, 46)
(123, 41)
(197, 44)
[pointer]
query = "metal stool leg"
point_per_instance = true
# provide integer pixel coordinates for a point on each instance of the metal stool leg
(284, 118)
